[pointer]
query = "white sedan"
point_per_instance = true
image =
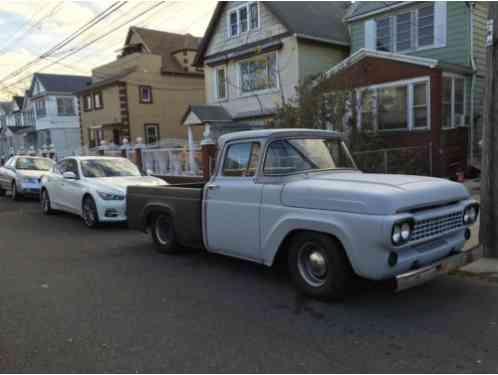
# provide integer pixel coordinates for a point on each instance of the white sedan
(93, 187)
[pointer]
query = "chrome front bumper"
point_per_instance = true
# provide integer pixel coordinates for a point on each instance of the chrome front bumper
(443, 266)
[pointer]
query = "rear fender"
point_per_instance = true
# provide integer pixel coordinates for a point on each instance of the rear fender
(154, 208)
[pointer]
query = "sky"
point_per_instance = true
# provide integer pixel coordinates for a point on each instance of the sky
(30, 28)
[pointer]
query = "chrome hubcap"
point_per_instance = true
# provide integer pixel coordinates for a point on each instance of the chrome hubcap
(313, 264)
(162, 230)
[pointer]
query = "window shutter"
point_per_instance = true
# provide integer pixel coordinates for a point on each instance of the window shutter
(440, 17)
(370, 35)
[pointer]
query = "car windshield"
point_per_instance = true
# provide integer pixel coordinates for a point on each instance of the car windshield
(300, 155)
(34, 164)
(93, 168)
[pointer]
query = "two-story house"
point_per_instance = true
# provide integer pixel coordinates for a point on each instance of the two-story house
(51, 112)
(254, 54)
(13, 131)
(420, 69)
(144, 92)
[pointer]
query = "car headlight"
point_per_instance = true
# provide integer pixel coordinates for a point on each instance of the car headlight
(401, 232)
(110, 197)
(470, 214)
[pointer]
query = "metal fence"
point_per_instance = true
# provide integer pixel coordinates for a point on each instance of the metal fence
(415, 160)
(174, 161)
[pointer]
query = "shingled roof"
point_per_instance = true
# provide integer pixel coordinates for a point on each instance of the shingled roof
(61, 82)
(166, 44)
(362, 8)
(313, 20)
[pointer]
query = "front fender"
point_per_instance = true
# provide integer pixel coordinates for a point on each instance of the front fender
(289, 223)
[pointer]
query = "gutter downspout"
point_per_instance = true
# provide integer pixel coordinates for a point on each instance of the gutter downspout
(472, 87)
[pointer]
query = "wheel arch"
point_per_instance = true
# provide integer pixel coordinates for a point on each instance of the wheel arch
(153, 209)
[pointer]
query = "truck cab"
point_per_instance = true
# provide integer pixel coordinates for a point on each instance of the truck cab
(298, 195)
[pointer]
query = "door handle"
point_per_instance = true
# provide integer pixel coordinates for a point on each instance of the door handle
(213, 187)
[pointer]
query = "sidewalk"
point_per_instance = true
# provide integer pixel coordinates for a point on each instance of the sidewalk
(484, 267)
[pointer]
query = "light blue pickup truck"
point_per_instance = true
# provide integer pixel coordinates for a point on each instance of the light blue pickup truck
(297, 195)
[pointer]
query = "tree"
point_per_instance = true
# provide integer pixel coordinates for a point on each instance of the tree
(489, 179)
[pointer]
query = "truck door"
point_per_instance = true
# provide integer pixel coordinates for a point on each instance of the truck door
(233, 203)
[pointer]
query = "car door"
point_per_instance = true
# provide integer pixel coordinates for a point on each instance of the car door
(233, 203)
(4, 174)
(54, 184)
(72, 189)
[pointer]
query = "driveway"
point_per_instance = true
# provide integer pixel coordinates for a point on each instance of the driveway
(79, 300)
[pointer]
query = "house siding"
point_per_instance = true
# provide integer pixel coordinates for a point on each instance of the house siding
(315, 58)
(357, 30)
(220, 41)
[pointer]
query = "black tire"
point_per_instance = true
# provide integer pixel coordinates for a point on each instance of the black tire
(2, 192)
(45, 203)
(89, 213)
(319, 267)
(163, 233)
(14, 193)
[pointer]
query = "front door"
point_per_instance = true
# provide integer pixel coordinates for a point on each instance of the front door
(234, 203)
(72, 191)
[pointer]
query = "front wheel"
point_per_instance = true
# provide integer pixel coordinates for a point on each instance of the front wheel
(163, 233)
(45, 203)
(319, 267)
(14, 193)
(90, 214)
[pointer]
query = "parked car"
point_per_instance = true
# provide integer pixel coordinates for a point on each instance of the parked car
(297, 195)
(92, 187)
(21, 175)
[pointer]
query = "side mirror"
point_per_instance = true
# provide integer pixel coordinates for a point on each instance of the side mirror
(69, 176)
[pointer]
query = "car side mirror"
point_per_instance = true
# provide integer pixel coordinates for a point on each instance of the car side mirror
(69, 176)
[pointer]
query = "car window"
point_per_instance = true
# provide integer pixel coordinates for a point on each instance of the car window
(33, 164)
(71, 165)
(282, 158)
(117, 167)
(59, 167)
(241, 159)
(9, 162)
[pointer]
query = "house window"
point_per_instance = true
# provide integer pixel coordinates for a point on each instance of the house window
(254, 13)
(384, 34)
(145, 93)
(65, 107)
(151, 134)
(258, 74)
(396, 106)
(221, 83)
(453, 101)
(87, 103)
(41, 110)
(97, 100)
(420, 105)
(403, 31)
(392, 113)
(243, 19)
(425, 26)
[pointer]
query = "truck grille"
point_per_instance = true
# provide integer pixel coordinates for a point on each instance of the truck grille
(437, 225)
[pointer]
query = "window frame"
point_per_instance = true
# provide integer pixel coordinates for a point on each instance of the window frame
(101, 102)
(217, 84)
(260, 91)
(141, 96)
(63, 114)
(414, 39)
(87, 102)
(38, 102)
(410, 100)
(236, 11)
(453, 77)
(221, 168)
(146, 138)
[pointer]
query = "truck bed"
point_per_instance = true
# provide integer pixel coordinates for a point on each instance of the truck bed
(183, 202)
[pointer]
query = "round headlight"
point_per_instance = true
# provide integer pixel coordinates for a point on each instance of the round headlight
(472, 214)
(396, 237)
(405, 231)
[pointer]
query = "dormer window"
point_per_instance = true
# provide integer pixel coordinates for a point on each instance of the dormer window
(243, 19)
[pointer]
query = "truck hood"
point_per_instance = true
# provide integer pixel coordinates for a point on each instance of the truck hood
(374, 194)
(119, 184)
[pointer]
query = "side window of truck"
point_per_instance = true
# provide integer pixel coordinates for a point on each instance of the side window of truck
(241, 159)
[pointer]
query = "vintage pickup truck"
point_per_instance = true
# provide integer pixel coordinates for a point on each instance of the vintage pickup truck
(297, 195)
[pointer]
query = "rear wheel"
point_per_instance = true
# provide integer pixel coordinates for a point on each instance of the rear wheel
(45, 203)
(318, 266)
(163, 233)
(90, 214)
(14, 193)
(2, 191)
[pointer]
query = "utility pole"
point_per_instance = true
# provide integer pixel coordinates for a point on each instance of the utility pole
(489, 179)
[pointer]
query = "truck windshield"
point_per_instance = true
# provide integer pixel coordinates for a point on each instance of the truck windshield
(300, 155)
(34, 164)
(108, 168)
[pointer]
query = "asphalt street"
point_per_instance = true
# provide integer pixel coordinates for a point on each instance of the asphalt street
(79, 300)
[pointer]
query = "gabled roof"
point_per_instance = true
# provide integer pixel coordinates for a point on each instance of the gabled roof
(165, 44)
(363, 53)
(61, 82)
(206, 113)
(361, 9)
(312, 20)
(19, 100)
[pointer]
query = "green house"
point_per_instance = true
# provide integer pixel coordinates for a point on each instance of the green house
(442, 41)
